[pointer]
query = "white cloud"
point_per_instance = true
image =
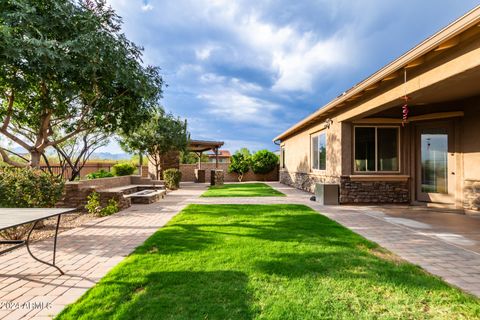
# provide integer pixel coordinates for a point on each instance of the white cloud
(237, 107)
(296, 57)
(147, 7)
(204, 52)
(300, 67)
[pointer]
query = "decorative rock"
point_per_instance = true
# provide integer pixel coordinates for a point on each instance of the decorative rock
(217, 177)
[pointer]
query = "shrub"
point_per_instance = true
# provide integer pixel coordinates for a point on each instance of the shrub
(99, 174)
(172, 178)
(111, 208)
(264, 161)
(239, 164)
(123, 169)
(93, 205)
(27, 188)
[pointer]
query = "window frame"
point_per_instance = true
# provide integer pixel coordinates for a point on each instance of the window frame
(376, 149)
(282, 157)
(318, 134)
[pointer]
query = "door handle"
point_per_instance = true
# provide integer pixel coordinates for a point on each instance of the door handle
(453, 173)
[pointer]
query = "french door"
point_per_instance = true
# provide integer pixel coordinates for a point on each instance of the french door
(435, 163)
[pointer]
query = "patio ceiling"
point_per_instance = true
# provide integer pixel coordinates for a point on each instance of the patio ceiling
(203, 145)
(438, 97)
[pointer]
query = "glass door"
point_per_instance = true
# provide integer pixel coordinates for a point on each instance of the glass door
(435, 175)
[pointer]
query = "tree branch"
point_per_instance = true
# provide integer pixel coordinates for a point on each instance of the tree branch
(11, 97)
(9, 161)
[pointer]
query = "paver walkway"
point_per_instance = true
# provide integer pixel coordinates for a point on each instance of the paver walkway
(455, 257)
(29, 289)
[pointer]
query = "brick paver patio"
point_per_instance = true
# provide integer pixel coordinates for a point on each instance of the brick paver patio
(29, 289)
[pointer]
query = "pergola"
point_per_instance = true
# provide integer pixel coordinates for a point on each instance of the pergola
(200, 146)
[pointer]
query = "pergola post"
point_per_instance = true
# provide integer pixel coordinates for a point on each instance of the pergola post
(199, 154)
(200, 146)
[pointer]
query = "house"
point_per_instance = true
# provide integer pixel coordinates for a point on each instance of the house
(223, 156)
(377, 150)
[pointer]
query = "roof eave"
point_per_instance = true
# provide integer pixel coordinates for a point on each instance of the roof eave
(468, 20)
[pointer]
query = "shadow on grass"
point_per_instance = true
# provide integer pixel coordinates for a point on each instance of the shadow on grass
(271, 262)
(350, 266)
(168, 295)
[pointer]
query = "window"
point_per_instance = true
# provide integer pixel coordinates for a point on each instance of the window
(376, 149)
(282, 157)
(319, 151)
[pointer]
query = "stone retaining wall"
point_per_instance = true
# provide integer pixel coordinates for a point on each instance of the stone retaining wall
(188, 173)
(373, 191)
(76, 192)
(305, 181)
(471, 195)
(352, 191)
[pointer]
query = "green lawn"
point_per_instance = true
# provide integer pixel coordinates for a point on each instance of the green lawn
(266, 262)
(242, 190)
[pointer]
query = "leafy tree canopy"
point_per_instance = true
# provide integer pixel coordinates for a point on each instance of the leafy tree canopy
(66, 68)
(264, 161)
(159, 135)
(240, 163)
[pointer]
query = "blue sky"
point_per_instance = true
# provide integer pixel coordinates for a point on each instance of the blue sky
(244, 71)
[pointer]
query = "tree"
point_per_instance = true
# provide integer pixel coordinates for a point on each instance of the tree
(75, 152)
(156, 137)
(264, 161)
(65, 69)
(246, 153)
(192, 157)
(240, 163)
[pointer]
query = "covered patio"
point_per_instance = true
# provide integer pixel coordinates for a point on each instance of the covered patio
(199, 147)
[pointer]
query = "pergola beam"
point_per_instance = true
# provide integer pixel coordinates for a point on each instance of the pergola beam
(200, 146)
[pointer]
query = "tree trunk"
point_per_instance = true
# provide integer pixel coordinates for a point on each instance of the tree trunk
(74, 175)
(35, 157)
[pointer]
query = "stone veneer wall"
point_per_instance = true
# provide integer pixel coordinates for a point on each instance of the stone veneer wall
(76, 192)
(471, 195)
(188, 173)
(352, 191)
(305, 181)
(373, 191)
(217, 177)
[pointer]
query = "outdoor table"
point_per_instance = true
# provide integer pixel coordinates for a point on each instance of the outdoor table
(15, 217)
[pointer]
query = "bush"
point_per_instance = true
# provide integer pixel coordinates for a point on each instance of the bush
(99, 174)
(111, 208)
(123, 169)
(264, 161)
(93, 205)
(172, 178)
(239, 164)
(27, 188)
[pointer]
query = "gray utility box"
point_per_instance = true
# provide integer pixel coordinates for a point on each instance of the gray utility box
(326, 194)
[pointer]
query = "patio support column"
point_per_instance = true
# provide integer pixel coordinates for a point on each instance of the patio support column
(199, 154)
(216, 157)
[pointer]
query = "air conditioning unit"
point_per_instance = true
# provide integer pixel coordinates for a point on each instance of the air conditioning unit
(326, 194)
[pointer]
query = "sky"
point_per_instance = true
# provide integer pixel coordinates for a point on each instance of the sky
(244, 71)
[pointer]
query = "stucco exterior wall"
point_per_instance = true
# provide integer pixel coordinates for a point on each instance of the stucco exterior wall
(470, 141)
(298, 171)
